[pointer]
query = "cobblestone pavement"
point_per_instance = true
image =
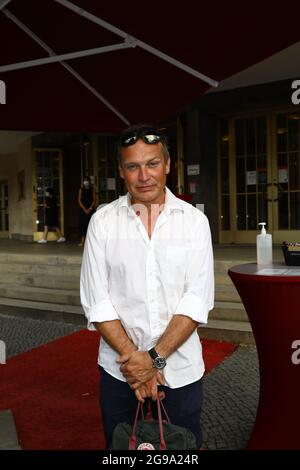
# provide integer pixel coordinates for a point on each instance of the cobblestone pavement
(230, 401)
(230, 390)
(23, 334)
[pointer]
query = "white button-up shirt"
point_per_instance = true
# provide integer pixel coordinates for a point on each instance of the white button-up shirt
(143, 282)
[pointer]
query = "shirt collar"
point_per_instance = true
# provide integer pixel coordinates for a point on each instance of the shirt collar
(171, 202)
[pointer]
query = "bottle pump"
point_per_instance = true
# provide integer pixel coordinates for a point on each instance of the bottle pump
(264, 246)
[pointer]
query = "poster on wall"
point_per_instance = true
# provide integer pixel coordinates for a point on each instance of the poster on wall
(192, 187)
(193, 170)
(251, 178)
(283, 175)
(111, 184)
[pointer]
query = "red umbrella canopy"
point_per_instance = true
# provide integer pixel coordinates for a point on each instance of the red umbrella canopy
(217, 40)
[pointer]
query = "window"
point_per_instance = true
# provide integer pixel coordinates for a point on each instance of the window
(109, 184)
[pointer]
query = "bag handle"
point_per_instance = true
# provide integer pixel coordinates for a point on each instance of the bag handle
(165, 412)
(162, 444)
(132, 439)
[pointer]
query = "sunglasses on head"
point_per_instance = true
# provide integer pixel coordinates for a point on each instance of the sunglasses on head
(149, 136)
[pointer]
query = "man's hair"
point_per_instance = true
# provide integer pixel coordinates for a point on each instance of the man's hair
(138, 128)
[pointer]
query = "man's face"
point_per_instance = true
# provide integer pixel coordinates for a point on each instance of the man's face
(144, 169)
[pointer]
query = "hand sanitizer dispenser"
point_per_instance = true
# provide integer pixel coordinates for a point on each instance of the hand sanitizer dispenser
(264, 246)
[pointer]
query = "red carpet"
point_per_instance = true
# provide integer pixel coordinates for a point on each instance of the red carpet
(53, 391)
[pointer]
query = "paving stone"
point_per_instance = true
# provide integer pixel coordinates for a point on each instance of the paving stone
(23, 334)
(230, 400)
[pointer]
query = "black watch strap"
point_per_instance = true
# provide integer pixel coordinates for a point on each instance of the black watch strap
(159, 362)
(153, 353)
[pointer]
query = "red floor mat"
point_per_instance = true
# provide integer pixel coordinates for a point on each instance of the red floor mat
(53, 391)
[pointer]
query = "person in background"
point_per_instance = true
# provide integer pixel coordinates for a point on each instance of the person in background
(147, 283)
(86, 201)
(51, 217)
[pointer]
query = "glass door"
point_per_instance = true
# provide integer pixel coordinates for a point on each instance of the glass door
(4, 226)
(286, 178)
(225, 209)
(47, 174)
(251, 177)
(110, 184)
(259, 177)
(244, 172)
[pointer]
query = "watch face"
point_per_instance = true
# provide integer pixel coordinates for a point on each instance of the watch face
(160, 362)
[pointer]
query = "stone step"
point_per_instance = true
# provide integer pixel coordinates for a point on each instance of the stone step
(222, 265)
(224, 330)
(41, 306)
(222, 279)
(73, 272)
(45, 283)
(225, 290)
(224, 295)
(36, 265)
(50, 281)
(232, 311)
(8, 434)
(40, 258)
(38, 269)
(224, 287)
(40, 294)
(71, 296)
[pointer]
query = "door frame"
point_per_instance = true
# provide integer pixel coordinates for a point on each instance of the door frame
(249, 236)
(5, 233)
(52, 236)
(279, 235)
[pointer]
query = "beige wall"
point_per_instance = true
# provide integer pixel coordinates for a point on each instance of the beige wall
(20, 212)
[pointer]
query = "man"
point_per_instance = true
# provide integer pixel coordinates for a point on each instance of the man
(146, 285)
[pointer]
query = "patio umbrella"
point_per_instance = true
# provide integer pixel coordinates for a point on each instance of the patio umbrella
(95, 66)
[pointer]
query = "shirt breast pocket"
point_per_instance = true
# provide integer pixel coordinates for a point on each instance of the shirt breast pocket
(176, 264)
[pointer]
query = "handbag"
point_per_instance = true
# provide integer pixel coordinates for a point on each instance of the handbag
(152, 434)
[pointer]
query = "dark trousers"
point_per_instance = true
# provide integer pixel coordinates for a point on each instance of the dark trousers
(118, 404)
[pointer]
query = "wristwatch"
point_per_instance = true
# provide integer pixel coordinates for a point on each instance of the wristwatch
(159, 362)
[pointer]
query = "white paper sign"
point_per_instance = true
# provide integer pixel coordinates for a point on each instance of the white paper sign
(111, 183)
(192, 187)
(193, 170)
(2, 92)
(283, 175)
(251, 177)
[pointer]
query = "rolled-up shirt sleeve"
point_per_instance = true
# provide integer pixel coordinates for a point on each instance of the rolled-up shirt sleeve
(94, 294)
(198, 296)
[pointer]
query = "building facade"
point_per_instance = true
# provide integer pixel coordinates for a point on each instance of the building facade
(247, 144)
(236, 151)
